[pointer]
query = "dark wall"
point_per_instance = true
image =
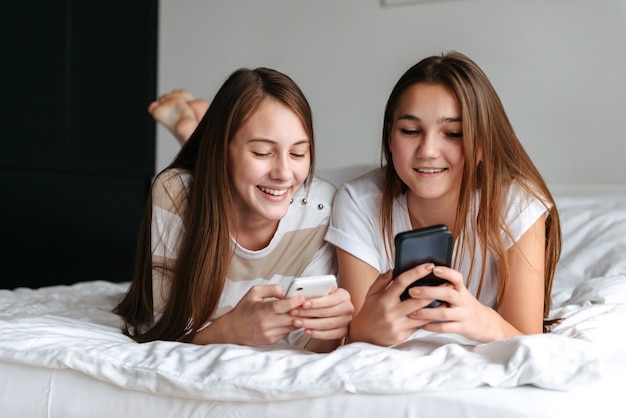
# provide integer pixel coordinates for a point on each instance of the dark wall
(77, 144)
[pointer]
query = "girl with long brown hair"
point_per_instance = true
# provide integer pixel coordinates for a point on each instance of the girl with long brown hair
(449, 156)
(231, 221)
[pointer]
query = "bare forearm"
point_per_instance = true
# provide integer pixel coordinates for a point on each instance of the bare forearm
(211, 334)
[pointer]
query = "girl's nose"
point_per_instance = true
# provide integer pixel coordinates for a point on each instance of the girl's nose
(280, 168)
(428, 146)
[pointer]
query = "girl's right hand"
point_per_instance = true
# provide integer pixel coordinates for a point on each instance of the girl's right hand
(383, 318)
(254, 320)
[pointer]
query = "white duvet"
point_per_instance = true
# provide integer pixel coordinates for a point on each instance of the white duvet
(73, 327)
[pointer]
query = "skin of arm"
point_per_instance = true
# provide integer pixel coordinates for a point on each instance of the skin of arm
(527, 266)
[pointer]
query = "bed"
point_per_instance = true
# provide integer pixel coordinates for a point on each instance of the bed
(62, 354)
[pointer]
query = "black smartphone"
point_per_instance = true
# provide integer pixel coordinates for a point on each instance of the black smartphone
(433, 244)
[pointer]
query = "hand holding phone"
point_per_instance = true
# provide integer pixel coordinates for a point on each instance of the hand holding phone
(432, 244)
(311, 287)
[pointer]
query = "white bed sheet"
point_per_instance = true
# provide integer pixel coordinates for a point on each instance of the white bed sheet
(61, 352)
(64, 393)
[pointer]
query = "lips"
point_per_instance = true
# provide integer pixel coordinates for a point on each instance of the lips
(273, 192)
(430, 170)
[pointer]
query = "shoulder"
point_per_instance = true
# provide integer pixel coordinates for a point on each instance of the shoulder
(320, 191)
(364, 191)
(521, 197)
(370, 182)
(173, 179)
(311, 205)
(367, 186)
(170, 188)
(357, 203)
(522, 207)
(355, 222)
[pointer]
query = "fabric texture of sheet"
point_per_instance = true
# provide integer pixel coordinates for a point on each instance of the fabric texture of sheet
(72, 327)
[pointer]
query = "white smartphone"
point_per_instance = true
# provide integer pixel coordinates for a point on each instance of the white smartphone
(311, 287)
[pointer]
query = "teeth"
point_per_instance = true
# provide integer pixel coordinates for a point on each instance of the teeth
(273, 192)
(430, 170)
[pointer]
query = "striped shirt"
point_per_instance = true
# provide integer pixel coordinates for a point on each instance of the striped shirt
(297, 248)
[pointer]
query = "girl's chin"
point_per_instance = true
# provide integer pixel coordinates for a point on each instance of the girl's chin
(274, 213)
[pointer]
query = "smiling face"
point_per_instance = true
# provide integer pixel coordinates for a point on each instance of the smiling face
(426, 143)
(269, 159)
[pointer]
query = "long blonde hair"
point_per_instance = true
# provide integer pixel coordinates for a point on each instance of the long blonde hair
(205, 253)
(487, 132)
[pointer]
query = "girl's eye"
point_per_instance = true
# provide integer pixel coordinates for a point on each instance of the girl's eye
(299, 152)
(455, 135)
(260, 154)
(409, 131)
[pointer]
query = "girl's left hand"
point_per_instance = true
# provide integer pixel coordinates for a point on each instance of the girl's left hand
(325, 317)
(461, 312)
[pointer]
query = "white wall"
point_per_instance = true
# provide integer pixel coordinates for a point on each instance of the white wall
(559, 66)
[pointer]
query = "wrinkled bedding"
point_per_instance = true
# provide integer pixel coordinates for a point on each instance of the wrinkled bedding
(72, 327)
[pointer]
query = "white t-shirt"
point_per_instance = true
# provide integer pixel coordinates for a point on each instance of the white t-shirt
(297, 249)
(355, 228)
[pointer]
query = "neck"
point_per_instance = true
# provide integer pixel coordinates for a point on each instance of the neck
(428, 212)
(254, 236)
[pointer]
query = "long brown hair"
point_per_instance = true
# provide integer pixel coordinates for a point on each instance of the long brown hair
(487, 132)
(205, 248)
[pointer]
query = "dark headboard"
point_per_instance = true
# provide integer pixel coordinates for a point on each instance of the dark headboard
(78, 145)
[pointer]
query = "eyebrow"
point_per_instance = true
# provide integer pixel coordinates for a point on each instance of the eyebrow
(269, 141)
(413, 118)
